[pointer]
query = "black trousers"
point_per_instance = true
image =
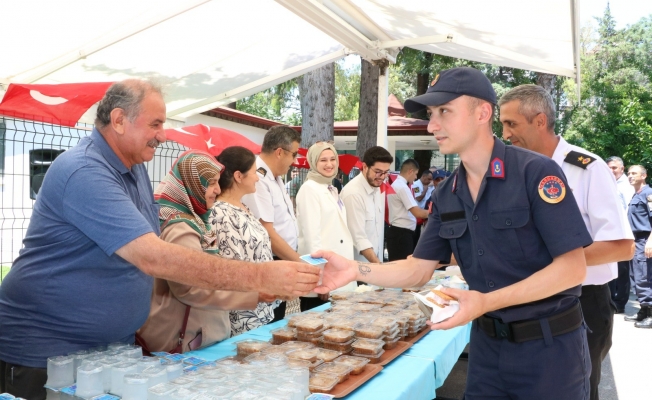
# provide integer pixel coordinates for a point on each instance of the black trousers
(26, 382)
(598, 311)
(620, 286)
(308, 303)
(400, 243)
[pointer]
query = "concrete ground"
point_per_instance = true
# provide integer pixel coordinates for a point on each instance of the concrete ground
(624, 372)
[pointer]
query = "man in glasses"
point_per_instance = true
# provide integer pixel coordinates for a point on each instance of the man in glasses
(365, 205)
(271, 203)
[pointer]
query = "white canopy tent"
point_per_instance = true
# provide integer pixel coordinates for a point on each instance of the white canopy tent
(212, 52)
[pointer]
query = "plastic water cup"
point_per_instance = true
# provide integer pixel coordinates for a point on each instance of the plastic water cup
(157, 374)
(146, 362)
(173, 368)
(60, 371)
(301, 377)
(182, 381)
(78, 356)
(117, 345)
(292, 390)
(162, 391)
(118, 371)
(107, 364)
(132, 351)
(134, 387)
(89, 380)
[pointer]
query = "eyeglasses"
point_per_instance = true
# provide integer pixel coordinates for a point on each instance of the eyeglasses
(378, 172)
(294, 155)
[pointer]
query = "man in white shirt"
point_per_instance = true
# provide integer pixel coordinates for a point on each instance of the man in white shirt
(527, 113)
(422, 188)
(403, 213)
(621, 286)
(271, 202)
(365, 205)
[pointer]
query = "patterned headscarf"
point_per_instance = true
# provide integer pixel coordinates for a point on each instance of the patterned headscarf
(314, 152)
(182, 194)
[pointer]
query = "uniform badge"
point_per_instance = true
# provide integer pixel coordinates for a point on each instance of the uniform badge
(552, 189)
(434, 80)
(497, 168)
(262, 171)
(430, 208)
(416, 190)
(578, 159)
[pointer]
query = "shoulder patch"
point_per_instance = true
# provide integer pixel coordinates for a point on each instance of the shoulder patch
(649, 198)
(579, 159)
(262, 171)
(552, 189)
(417, 190)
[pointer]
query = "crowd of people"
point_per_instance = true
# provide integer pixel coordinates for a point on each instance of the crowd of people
(540, 235)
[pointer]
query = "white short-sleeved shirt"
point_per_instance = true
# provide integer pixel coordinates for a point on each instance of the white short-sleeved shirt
(365, 209)
(271, 203)
(399, 205)
(595, 191)
(417, 189)
(625, 189)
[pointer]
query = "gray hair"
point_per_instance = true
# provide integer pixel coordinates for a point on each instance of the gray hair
(534, 100)
(280, 136)
(615, 159)
(642, 168)
(126, 95)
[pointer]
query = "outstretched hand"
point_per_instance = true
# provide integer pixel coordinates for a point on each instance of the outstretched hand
(289, 279)
(338, 271)
(472, 305)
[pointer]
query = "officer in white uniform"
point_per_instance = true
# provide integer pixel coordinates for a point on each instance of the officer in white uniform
(365, 205)
(271, 203)
(527, 113)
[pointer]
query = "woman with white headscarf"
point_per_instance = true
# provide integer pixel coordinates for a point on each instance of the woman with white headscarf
(321, 214)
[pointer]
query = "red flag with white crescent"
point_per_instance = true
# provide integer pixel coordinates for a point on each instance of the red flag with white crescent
(209, 138)
(60, 104)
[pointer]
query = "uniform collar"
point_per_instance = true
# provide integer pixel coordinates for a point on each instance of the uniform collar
(497, 161)
(261, 164)
(400, 178)
(562, 149)
(108, 152)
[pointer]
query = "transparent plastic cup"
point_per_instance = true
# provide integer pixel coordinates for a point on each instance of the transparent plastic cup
(118, 371)
(60, 371)
(117, 345)
(174, 368)
(132, 351)
(146, 362)
(89, 380)
(134, 387)
(301, 377)
(107, 364)
(162, 391)
(78, 356)
(157, 374)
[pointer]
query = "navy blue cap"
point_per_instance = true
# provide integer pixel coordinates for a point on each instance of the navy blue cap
(440, 173)
(451, 84)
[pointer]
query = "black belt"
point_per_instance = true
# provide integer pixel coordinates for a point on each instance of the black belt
(641, 235)
(523, 331)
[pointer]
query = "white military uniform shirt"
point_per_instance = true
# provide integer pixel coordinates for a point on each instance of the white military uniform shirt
(626, 189)
(400, 203)
(417, 189)
(594, 189)
(365, 207)
(271, 203)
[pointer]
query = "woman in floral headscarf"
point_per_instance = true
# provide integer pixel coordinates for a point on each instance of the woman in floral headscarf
(186, 196)
(321, 215)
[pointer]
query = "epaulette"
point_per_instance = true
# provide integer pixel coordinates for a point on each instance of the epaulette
(262, 171)
(578, 159)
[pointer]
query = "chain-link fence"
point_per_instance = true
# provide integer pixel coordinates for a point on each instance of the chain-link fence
(26, 149)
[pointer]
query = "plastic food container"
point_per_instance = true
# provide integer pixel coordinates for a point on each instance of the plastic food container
(389, 345)
(250, 346)
(338, 335)
(345, 324)
(365, 307)
(367, 346)
(342, 371)
(294, 345)
(342, 295)
(373, 358)
(282, 335)
(306, 336)
(309, 325)
(343, 348)
(322, 382)
(357, 363)
(304, 354)
(370, 332)
(387, 323)
(328, 355)
(274, 349)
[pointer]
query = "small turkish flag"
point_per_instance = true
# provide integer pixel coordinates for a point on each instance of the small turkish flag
(60, 104)
(209, 138)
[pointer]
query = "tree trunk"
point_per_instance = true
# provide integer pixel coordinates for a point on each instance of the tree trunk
(368, 109)
(547, 81)
(317, 94)
(423, 157)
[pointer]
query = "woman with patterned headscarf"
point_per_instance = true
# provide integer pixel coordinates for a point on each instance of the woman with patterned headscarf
(321, 215)
(186, 196)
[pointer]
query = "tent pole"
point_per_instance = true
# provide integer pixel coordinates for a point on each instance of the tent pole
(383, 88)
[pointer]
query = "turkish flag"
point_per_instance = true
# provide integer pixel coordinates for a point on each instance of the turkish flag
(60, 104)
(347, 162)
(209, 138)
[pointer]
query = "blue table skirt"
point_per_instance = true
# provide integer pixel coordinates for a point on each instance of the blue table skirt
(410, 376)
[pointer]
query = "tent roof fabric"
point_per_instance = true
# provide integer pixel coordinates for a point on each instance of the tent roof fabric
(208, 53)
